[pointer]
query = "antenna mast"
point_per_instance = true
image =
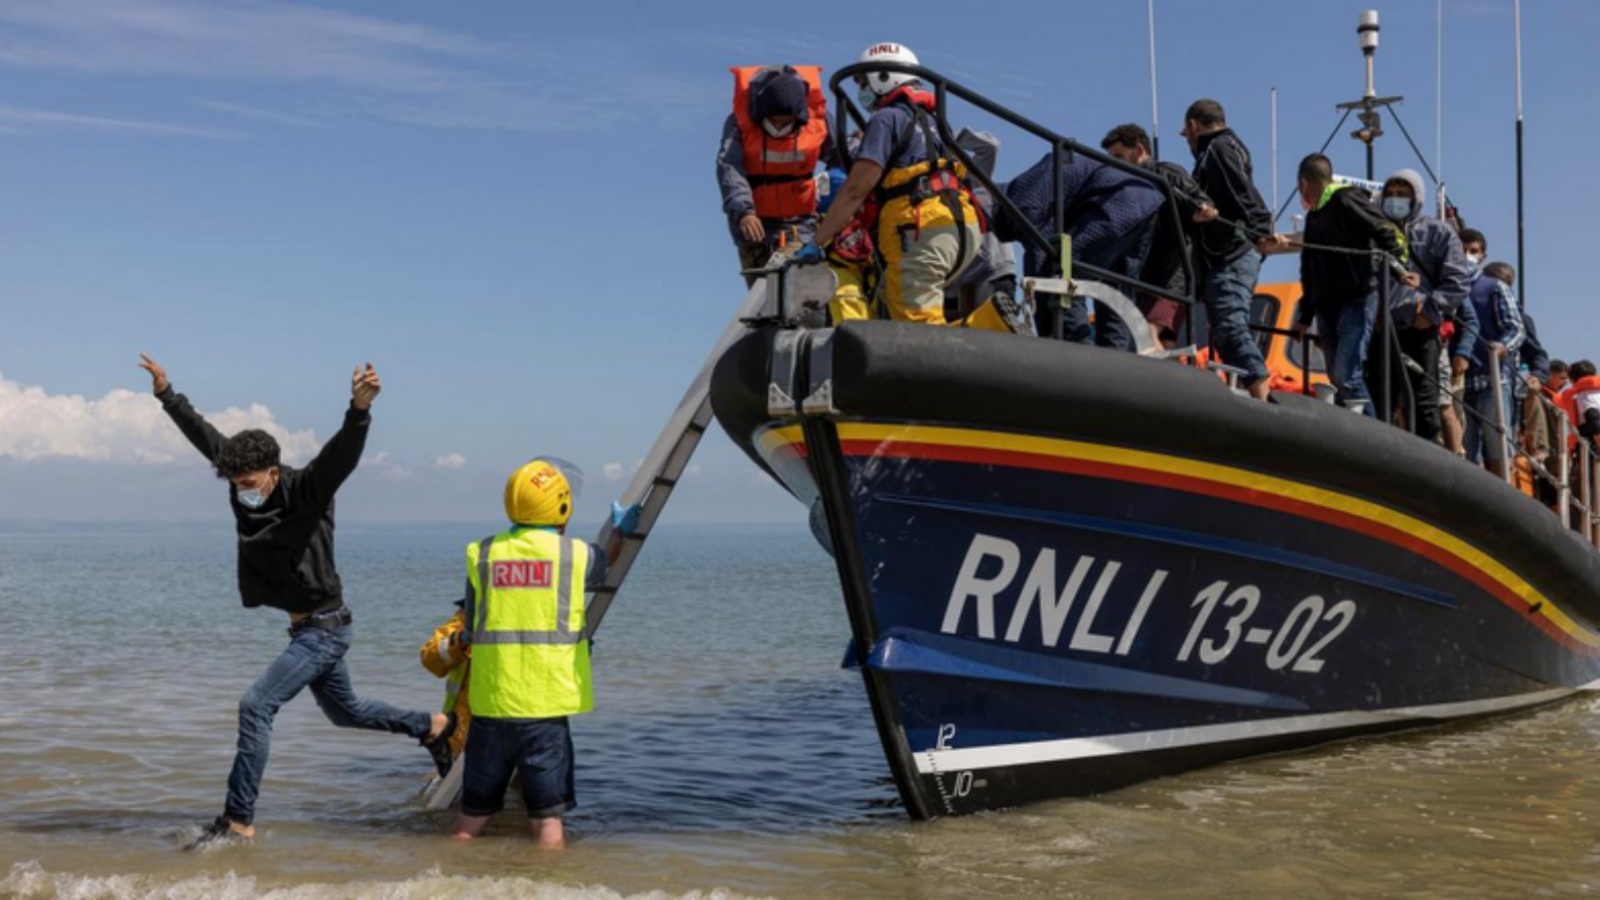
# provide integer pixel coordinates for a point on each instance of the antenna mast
(1522, 277)
(1274, 152)
(1371, 121)
(1155, 127)
(1438, 130)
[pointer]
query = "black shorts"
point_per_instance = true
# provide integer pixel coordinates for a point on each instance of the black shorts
(541, 749)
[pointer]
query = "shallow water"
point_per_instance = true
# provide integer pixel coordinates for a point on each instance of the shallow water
(730, 755)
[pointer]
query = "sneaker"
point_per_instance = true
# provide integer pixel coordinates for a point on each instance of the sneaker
(219, 833)
(439, 747)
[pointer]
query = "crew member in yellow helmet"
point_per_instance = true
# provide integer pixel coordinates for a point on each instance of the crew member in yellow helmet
(925, 226)
(526, 627)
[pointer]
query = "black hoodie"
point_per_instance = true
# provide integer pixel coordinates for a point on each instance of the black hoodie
(1346, 218)
(286, 546)
(1222, 167)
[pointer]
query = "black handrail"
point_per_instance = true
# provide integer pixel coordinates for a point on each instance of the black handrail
(1301, 335)
(943, 88)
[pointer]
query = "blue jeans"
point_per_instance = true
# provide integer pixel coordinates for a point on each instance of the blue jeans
(1344, 331)
(1483, 439)
(1107, 329)
(314, 659)
(1228, 292)
(541, 749)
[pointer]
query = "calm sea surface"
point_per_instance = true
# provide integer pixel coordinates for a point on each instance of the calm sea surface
(730, 755)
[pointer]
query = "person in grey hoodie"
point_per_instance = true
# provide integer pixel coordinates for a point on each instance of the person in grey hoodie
(1434, 253)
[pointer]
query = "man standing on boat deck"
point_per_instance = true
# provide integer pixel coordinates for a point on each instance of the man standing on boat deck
(1340, 288)
(1437, 259)
(767, 160)
(1163, 265)
(924, 225)
(1500, 337)
(1110, 215)
(284, 518)
(527, 626)
(1230, 247)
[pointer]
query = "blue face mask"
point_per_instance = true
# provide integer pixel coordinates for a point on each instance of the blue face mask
(867, 98)
(1397, 208)
(255, 498)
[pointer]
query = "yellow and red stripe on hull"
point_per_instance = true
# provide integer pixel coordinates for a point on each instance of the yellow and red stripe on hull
(1162, 470)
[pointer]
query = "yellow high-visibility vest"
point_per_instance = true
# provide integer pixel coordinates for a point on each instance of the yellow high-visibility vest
(525, 615)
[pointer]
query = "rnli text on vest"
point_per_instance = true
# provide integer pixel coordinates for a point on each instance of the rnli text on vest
(521, 573)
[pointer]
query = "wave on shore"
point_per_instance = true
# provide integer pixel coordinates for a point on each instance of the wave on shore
(30, 881)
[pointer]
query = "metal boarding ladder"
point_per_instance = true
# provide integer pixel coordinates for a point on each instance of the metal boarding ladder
(663, 467)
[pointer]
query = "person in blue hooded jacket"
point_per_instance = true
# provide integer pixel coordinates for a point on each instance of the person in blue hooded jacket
(1434, 252)
(1110, 214)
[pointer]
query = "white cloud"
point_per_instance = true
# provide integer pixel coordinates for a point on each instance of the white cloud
(353, 66)
(17, 120)
(122, 426)
(612, 472)
(386, 466)
(276, 117)
(450, 461)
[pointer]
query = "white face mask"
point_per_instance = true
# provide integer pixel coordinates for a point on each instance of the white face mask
(777, 131)
(1397, 208)
(1474, 260)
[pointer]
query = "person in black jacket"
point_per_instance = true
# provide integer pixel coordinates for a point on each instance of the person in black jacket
(1229, 246)
(1340, 289)
(1163, 265)
(284, 518)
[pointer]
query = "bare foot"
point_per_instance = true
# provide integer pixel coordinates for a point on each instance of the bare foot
(548, 832)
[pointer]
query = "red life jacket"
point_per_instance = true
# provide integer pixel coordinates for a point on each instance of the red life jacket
(1585, 392)
(782, 170)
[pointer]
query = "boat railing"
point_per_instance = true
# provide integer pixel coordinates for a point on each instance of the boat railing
(1061, 147)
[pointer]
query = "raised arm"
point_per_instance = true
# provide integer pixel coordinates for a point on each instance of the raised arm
(342, 453)
(205, 438)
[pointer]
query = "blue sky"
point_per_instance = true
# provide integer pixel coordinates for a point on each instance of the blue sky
(510, 207)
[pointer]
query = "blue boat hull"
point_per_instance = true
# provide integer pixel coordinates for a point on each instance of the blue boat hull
(1059, 611)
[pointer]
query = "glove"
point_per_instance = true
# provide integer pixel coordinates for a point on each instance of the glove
(624, 519)
(808, 255)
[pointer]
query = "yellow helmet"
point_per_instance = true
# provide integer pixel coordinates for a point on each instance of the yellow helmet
(539, 493)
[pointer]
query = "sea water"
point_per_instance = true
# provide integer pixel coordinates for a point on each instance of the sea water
(729, 755)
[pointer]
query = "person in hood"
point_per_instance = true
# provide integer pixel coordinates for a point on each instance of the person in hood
(1435, 256)
(1110, 214)
(284, 517)
(1169, 247)
(771, 146)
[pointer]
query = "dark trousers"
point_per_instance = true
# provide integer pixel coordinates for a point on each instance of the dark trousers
(314, 659)
(1421, 346)
(1107, 329)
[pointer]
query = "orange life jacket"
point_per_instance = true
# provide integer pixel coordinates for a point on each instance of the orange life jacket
(782, 170)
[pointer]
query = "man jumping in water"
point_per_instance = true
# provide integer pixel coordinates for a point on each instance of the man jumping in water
(284, 518)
